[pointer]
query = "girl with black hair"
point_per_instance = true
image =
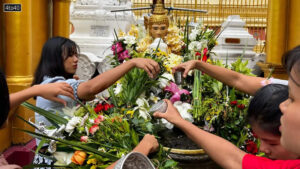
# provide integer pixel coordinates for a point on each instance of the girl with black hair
(58, 64)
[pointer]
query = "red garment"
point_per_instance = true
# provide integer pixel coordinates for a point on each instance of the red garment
(254, 162)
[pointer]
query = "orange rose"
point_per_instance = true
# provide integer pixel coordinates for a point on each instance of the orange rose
(78, 157)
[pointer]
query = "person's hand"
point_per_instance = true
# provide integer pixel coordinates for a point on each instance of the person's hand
(172, 115)
(150, 66)
(50, 91)
(76, 77)
(185, 67)
(151, 142)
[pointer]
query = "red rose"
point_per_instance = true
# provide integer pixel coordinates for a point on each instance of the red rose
(233, 103)
(98, 108)
(241, 106)
(106, 106)
(251, 147)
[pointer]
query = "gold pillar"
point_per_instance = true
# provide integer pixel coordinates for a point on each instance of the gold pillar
(40, 27)
(293, 32)
(61, 18)
(276, 38)
(18, 62)
(276, 30)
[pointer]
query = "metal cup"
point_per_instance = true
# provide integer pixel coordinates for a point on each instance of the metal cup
(160, 106)
(178, 78)
(134, 160)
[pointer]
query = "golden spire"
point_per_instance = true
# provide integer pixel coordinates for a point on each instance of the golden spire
(159, 15)
(159, 8)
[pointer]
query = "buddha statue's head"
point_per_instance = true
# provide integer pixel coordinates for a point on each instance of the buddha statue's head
(158, 22)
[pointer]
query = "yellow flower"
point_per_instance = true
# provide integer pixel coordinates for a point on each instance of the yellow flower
(207, 118)
(92, 161)
(131, 112)
(134, 31)
(94, 167)
(121, 33)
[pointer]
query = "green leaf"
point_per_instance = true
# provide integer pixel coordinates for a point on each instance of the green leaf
(49, 115)
(170, 163)
(43, 141)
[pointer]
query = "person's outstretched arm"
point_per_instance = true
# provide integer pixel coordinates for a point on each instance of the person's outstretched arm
(220, 150)
(48, 91)
(87, 90)
(147, 145)
(244, 83)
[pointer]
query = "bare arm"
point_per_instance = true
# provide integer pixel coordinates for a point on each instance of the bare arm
(244, 83)
(87, 90)
(48, 91)
(220, 150)
(147, 145)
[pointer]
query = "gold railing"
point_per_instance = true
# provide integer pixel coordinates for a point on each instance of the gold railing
(253, 12)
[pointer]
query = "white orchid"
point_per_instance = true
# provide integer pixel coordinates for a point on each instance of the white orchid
(195, 46)
(72, 124)
(164, 80)
(142, 107)
(183, 109)
(154, 98)
(194, 34)
(167, 124)
(129, 40)
(118, 88)
(62, 158)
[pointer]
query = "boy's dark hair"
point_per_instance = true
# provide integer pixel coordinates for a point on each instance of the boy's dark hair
(264, 107)
(54, 52)
(4, 99)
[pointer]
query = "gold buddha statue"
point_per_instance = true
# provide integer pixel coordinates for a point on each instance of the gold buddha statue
(158, 26)
(158, 22)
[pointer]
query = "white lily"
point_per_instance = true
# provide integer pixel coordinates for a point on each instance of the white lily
(142, 107)
(183, 109)
(72, 124)
(118, 88)
(69, 111)
(164, 80)
(62, 158)
(154, 98)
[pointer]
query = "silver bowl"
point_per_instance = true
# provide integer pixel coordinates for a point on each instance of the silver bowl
(134, 160)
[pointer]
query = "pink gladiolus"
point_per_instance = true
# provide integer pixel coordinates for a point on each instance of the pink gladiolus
(117, 48)
(94, 128)
(99, 119)
(173, 88)
(84, 139)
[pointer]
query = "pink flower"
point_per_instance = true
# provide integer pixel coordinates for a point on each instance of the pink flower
(117, 48)
(99, 119)
(173, 88)
(84, 139)
(122, 56)
(94, 128)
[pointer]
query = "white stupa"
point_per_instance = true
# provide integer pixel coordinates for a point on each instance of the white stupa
(94, 26)
(235, 41)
